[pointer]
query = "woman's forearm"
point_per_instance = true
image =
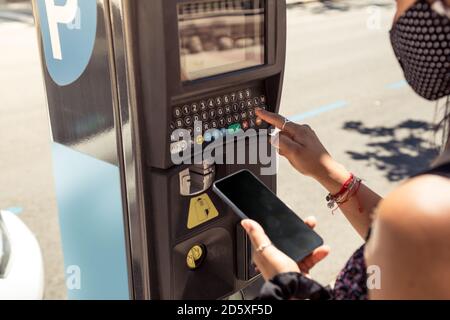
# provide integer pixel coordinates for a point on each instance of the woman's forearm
(358, 210)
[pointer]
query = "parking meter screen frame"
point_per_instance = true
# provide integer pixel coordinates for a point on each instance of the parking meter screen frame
(221, 36)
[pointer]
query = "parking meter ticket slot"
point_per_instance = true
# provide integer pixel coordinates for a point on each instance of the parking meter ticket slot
(201, 210)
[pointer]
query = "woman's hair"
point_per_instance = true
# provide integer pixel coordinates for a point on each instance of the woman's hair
(444, 125)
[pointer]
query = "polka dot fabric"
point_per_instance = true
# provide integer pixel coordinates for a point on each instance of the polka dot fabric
(421, 42)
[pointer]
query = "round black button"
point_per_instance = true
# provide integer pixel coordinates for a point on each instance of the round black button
(186, 110)
(262, 99)
(179, 123)
(205, 116)
(177, 112)
(196, 117)
(195, 108)
(203, 105)
(212, 114)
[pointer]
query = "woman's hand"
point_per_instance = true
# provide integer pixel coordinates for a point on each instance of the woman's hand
(301, 146)
(271, 261)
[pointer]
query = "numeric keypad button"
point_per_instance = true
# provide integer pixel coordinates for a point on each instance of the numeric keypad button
(211, 103)
(241, 95)
(219, 101)
(226, 99)
(248, 93)
(203, 105)
(195, 108)
(177, 112)
(186, 110)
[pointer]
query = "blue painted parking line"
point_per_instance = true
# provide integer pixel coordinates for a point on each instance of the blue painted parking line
(397, 85)
(318, 111)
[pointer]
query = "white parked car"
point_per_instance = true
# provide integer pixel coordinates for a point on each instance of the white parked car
(21, 264)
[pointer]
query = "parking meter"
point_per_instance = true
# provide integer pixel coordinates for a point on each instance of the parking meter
(137, 92)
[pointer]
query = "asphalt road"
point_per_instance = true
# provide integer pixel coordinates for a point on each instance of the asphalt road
(341, 78)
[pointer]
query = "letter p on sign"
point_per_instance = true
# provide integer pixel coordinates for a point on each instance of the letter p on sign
(59, 15)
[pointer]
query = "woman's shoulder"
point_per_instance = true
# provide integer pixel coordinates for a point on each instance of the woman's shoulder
(425, 198)
(410, 237)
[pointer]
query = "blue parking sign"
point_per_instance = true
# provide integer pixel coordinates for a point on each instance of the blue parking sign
(68, 29)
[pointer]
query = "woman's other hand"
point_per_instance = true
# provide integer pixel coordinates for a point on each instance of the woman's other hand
(271, 261)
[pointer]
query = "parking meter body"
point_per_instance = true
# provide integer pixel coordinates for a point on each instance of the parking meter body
(150, 102)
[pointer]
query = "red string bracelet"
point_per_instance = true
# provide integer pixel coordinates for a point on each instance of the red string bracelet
(349, 189)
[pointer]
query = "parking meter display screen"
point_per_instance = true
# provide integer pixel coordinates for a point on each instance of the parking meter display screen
(220, 36)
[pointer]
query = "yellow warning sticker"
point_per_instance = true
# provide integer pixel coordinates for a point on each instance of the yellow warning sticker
(201, 210)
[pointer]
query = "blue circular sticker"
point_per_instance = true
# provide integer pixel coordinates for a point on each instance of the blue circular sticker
(68, 29)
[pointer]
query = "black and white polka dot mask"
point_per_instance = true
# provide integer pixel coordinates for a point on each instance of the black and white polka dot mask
(421, 42)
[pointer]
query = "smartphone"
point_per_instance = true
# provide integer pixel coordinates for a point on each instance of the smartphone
(251, 199)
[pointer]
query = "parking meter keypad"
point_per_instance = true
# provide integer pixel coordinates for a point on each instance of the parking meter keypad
(228, 113)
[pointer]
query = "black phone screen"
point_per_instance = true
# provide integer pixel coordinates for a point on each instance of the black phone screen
(255, 201)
